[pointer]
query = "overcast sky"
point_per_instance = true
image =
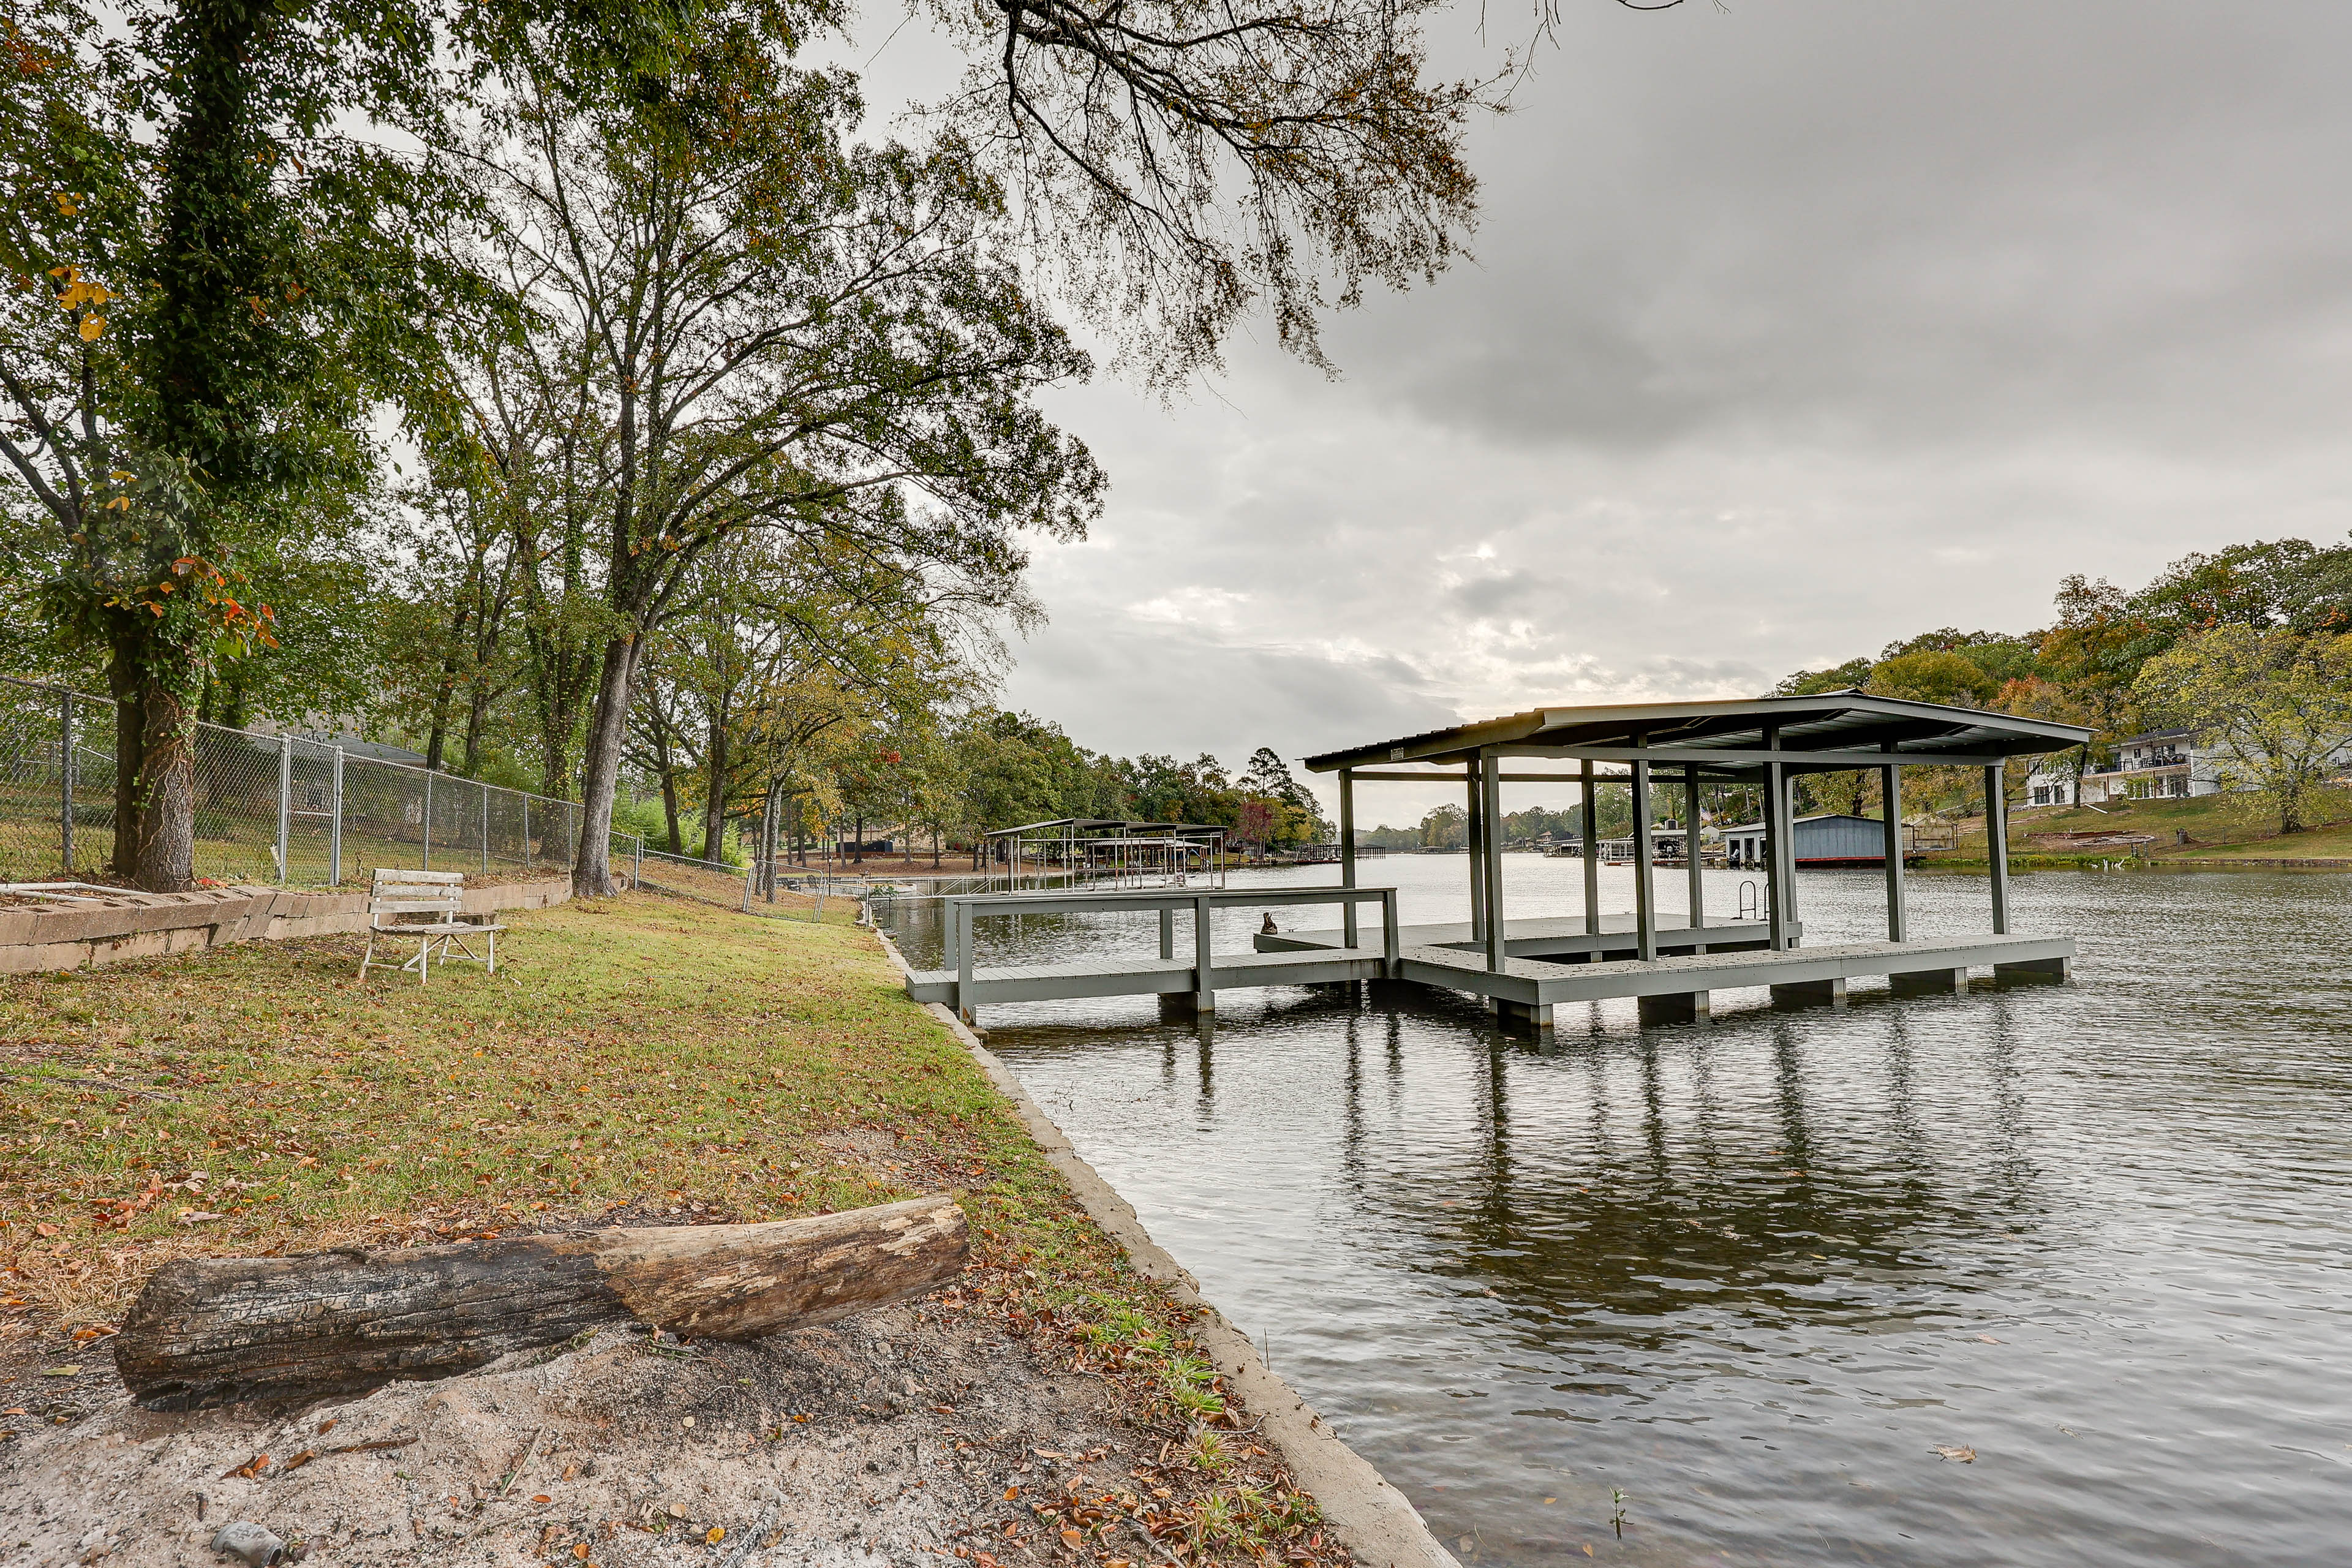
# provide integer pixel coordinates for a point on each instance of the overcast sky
(1797, 326)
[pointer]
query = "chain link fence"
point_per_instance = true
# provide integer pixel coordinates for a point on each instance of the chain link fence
(268, 808)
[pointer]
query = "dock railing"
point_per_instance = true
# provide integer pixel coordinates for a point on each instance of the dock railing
(960, 912)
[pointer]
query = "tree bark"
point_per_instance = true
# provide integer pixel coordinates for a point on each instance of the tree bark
(591, 869)
(164, 846)
(209, 1331)
(716, 765)
(130, 742)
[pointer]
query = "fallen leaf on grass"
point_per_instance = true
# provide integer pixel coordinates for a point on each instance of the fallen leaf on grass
(1989, 1339)
(1965, 1455)
(248, 1469)
(200, 1217)
(542, 1497)
(580, 1549)
(61, 1371)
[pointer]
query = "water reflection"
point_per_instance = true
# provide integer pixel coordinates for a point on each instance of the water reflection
(1753, 1273)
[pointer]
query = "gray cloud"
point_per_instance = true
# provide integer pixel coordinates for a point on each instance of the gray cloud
(1795, 329)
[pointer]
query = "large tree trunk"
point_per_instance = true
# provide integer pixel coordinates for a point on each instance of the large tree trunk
(592, 869)
(164, 846)
(208, 1331)
(716, 765)
(477, 716)
(130, 742)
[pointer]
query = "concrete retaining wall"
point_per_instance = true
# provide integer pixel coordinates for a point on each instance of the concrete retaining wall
(154, 925)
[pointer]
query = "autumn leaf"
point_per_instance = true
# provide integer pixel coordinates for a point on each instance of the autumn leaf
(1965, 1455)
(91, 326)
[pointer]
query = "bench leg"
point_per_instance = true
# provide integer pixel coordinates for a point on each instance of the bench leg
(366, 957)
(494, 952)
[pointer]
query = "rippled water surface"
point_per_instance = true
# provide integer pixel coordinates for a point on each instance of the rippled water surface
(1741, 1279)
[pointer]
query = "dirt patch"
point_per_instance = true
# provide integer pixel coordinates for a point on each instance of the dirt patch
(943, 1430)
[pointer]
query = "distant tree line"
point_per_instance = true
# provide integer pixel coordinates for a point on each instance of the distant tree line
(2248, 646)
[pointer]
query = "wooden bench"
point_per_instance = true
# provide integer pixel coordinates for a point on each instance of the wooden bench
(430, 907)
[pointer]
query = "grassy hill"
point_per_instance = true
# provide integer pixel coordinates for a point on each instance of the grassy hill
(2213, 829)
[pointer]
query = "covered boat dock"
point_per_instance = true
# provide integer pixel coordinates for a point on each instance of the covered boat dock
(1524, 967)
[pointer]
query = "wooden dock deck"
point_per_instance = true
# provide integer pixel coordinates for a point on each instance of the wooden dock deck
(1554, 938)
(1551, 962)
(1149, 976)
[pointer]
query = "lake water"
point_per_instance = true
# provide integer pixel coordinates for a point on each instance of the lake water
(1718, 1292)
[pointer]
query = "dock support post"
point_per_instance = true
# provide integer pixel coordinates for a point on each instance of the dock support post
(1167, 933)
(1204, 999)
(1890, 791)
(1775, 843)
(1347, 855)
(1809, 993)
(1675, 1006)
(1645, 892)
(1997, 843)
(959, 943)
(1691, 855)
(1929, 982)
(1471, 825)
(1592, 854)
(2034, 969)
(1525, 1014)
(1391, 937)
(1490, 847)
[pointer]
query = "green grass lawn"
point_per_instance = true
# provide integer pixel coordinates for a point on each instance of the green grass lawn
(644, 1052)
(639, 1050)
(2219, 827)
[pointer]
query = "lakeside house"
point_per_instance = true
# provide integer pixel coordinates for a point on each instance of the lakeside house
(2157, 765)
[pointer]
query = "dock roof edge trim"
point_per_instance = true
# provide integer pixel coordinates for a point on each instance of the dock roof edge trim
(1856, 719)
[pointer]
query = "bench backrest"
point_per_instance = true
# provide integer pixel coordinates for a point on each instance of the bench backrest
(435, 894)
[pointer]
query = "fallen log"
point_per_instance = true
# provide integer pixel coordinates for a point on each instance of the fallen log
(209, 1331)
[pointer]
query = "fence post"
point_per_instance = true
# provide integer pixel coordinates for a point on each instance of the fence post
(486, 828)
(427, 864)
(335, 833)
(285, 809)
(530, 861)
(66, 775)
(638, 867)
